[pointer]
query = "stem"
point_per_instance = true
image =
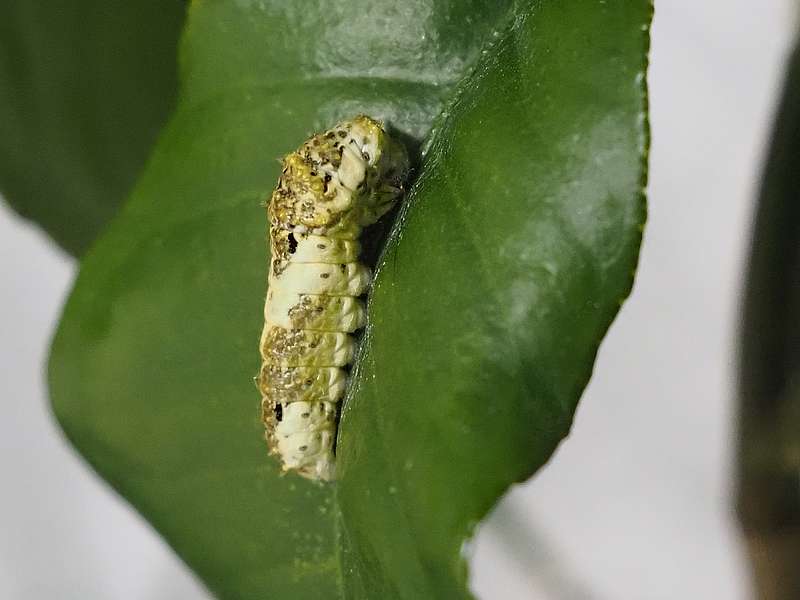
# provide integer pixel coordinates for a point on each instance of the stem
(768, 494)
(530, 548)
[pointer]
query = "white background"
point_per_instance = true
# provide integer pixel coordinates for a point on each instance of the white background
(635, 505)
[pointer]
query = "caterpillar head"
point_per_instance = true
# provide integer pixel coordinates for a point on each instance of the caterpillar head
(340, 181)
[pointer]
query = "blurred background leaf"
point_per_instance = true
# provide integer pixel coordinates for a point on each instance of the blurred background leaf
(85, 86)
(507, 264)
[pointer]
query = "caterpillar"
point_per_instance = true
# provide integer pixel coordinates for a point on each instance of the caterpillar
(334, 185)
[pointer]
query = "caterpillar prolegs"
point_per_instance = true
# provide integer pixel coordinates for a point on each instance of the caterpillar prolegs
(334, 185)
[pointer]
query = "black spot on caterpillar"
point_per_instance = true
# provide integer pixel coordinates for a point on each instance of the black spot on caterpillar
(334, 185)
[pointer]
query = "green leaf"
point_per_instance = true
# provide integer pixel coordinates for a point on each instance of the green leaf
(85, 86)
(505, 267)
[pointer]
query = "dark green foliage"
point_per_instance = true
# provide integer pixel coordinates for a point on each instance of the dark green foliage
(85, 86)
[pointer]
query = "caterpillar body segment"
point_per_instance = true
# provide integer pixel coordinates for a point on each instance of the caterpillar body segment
(291, 310)
(337, 183)
(346, 279)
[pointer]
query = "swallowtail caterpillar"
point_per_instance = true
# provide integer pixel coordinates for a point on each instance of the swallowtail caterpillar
(337, 183)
